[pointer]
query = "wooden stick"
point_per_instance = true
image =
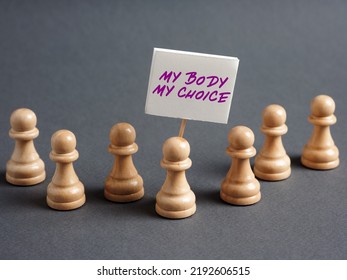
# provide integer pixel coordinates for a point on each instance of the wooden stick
(183, 126)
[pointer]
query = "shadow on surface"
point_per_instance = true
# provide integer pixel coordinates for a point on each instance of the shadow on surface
(95, 195)
(296, 161)
(3, 177)
(4, 183)
(39, 200)
(209, 196)
(24, 196)
(144, 206)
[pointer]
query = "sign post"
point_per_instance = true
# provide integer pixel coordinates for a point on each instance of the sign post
(190, 86)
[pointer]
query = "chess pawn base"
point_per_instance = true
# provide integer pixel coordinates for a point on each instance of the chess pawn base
(175, 214)
(67, 198)
(22, 174)
(272, 169)
(175, 205)
(241, 194)
(320, 159)
(126, 190)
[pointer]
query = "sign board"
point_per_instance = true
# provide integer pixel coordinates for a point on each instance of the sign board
(191, 86)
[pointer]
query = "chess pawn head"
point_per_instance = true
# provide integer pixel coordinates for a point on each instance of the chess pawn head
(23, 120)
(322, 106)
(122, 135)
(25, 168)
(65, 192)
(272, 163)
(240, 187)
(175, 200)
(123, 184)
(274, 116)
(320, 151)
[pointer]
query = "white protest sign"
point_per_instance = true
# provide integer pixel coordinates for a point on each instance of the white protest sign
(191, 85)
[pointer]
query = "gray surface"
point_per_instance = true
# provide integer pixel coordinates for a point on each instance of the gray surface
(84, 66)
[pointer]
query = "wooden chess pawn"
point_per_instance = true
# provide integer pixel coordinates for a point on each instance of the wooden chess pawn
(123, 184)
(65, 192)
(25, 167)
(240, 187)
(175, 200)
(320, 152)
(272, 163)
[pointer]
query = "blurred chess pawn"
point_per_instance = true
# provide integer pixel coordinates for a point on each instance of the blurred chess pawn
(65, 192)
(240, 187)
(175, 200)
(320, 152)
(25, 167)
(272, 163)
(123, 184)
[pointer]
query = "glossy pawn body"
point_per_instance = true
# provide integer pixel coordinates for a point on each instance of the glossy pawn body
(320, 152)
(25, 167)
(123, 184)
(175, 200)
(272, 163)
(240, 187)
(65, 192)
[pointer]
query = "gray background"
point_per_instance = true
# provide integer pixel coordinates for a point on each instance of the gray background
(84, 66)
